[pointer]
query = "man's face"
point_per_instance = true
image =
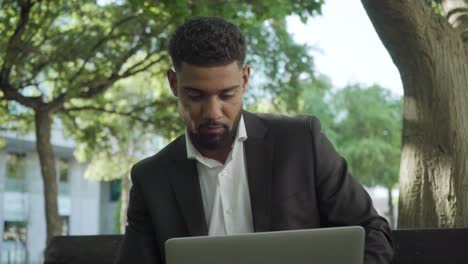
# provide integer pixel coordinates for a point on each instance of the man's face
(210, 101)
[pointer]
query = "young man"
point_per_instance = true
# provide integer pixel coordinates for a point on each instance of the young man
(234, 171)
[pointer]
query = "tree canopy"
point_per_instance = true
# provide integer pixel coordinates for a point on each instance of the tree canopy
(71, 60)
(368, 130)
(364, 123)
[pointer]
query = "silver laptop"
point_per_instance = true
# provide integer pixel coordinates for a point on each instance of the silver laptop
(318, 246)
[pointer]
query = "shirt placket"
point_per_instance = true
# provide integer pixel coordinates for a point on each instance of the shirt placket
(226, 190)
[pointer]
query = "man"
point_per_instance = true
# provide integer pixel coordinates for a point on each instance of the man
(234, 171)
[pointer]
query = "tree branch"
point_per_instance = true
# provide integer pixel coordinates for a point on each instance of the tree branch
(108, 111)
(130, 71)
(456, 12)
(15, 40)
(12, 50)
(96, 90)
(131, 52)
(56, 104)
(72, 119)
(47, 15)
(11, 94)
(100, 43)
(34, 72)
(404, 25)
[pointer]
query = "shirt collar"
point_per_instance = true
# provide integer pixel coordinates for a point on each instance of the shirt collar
(193, 153)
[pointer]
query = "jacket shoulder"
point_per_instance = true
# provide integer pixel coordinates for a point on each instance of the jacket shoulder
(159, 160)
(287, 124)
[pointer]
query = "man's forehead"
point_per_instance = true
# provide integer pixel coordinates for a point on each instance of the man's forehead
(215, 77)
(189, 88)
(190, 69)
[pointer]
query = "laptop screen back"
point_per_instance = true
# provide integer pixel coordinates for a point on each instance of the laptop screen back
(318, 246)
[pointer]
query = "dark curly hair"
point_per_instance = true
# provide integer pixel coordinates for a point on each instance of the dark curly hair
(207, 41)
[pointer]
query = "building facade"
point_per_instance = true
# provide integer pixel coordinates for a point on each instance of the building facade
(86, 207)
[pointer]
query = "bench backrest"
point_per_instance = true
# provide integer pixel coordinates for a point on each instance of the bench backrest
(412, 246)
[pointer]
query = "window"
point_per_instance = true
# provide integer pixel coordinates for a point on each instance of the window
(15, 172)
(15, 166)
(63, 170)
(14, 242)
(115, 190)
(65, 220)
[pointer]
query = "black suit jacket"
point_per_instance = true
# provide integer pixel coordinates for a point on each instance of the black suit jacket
(296, 181)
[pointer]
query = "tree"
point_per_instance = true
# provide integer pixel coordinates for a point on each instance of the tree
(57, 52)
(368, 131)
(106, 167)
(317, 99)
(60, 58)
(364, 123)
(431, 53)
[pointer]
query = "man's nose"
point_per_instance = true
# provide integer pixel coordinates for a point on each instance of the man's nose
(212, 109)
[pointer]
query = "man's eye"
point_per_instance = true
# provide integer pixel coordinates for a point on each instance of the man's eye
(227, 95)
(194, 95)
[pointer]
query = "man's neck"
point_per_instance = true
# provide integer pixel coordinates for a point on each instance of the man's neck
(218, 154)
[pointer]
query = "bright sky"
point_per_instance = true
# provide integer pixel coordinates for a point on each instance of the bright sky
(346, 46)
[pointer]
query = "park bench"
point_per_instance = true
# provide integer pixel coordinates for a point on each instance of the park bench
(412, 246)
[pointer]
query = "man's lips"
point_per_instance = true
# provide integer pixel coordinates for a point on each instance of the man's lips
(212, 129)
(215, 130)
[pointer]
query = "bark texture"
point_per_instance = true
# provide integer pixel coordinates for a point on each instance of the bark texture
(456, 12)
(391, 210)
(431, 57)
(124, 203)
(43, 122)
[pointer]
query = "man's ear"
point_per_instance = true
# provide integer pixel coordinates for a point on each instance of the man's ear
(245, 77)
(172, 78)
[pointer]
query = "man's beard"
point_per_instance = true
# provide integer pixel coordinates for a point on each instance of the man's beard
(212, 141)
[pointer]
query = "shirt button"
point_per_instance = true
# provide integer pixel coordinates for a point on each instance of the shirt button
(224, 173)
(229, 211)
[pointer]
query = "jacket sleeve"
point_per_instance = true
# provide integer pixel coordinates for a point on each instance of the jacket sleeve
(138, 245)
(344, 202)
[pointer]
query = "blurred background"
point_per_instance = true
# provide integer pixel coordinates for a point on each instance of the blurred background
(87, 98)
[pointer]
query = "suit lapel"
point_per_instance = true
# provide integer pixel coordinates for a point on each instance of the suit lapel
(185, 183)
(259, 162)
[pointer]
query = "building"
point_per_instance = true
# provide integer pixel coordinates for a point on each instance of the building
(86, 207)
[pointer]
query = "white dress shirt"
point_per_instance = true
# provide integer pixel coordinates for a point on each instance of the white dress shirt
(224, 188)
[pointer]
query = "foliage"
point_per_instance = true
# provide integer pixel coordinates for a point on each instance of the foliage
(66, 62)
(105, 167)
(117, 217)
(364, 123)
(369, 133)
(316, 100)
(436, 6)
(15, 166)
(64, 52)
(99, 66)
(279, 76)
(136, 109)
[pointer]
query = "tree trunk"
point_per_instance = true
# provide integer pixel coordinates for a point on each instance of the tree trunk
(391, 210)
(431, 58)
(124, 203)
(43, 122)
(456, 12)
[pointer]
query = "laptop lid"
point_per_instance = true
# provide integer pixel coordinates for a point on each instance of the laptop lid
(319, 246)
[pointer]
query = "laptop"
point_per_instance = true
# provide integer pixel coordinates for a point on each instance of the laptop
(318, 246)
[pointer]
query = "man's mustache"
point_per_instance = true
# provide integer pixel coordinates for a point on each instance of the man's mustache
(212, 123)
